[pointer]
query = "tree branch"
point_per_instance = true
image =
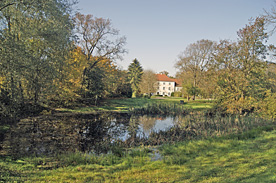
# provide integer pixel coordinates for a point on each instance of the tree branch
(7, 5)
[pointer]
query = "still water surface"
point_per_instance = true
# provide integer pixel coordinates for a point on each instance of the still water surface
(50, 135)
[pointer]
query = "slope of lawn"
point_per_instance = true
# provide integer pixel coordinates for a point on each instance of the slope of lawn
(247, 157)
(123, 104)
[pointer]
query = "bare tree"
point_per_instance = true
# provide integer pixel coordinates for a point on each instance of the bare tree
(98, 39)
(195, 60)
(165, 73)
(3, 6)
(270, 18)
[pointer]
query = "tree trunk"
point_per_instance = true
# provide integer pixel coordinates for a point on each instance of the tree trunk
(133, 94)
(96, 100)
(21, 92)
(194, 87)
(36, 90)
(12, 88)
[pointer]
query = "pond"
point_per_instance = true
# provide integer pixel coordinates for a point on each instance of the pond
(97, 133)
(105, 132)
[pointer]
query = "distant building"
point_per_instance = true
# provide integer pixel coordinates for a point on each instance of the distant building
(165, 85)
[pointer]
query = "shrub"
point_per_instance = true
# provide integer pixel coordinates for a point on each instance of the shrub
(161, 108)
(268, 108)
(176, 94)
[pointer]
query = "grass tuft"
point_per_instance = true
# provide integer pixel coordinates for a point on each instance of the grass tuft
(243, 157)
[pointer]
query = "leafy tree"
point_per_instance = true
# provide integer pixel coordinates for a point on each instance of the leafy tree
(271, 71)
(226, 73)
(268, 106)
(148, 82)
(195, 61)
(116, 84)
(4, 4)
(186, 82)
(242, 80)
(35, 37)
(251, 55)
(69, 86)
(112, 78)
(93, 82)
(110, 81)
(135, 72)
(123, 87)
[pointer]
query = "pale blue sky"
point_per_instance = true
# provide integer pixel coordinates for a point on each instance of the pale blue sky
(157, 31)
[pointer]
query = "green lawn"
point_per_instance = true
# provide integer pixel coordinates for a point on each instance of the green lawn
(122, 105)
(248, 157)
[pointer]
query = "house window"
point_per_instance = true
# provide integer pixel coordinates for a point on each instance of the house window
(169, 83)
(164, 83)
(163, 88)
(169, 88)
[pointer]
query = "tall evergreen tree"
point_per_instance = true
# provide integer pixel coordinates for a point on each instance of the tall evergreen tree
(135, 72)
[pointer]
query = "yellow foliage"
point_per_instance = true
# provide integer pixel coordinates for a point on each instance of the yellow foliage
(239, 106)
(70, 84)
(268, 106)
(73, 69)
(2, 80)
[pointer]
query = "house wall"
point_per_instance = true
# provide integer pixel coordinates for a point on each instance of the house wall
(165, 88)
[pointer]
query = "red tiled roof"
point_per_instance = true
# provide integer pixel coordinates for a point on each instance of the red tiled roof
(177, 81)
(163, 77)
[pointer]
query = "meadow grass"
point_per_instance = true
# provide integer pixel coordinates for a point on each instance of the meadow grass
(243, 157)
(124, 104)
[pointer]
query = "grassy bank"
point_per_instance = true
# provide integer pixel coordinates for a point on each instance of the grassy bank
(124, 104)
(246, 157)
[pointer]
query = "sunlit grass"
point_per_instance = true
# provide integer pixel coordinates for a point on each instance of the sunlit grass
(247, 157)
(124, 104)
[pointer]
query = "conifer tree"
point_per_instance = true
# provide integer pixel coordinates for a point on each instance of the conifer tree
(135, 72)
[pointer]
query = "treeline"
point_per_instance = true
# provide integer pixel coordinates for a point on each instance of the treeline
(238, 74)
(51, 56)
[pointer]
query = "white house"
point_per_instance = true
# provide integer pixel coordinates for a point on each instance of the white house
(166, 85)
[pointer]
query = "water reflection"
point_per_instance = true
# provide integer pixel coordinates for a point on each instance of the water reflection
(50, 135)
